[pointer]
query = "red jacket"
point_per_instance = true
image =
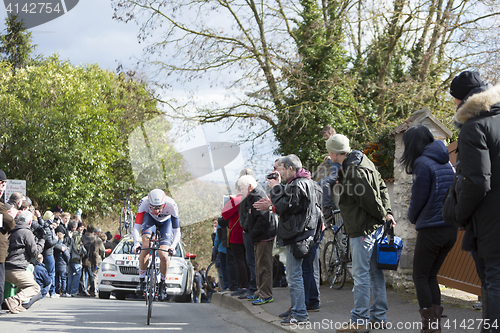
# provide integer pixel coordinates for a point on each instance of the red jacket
(230, 212)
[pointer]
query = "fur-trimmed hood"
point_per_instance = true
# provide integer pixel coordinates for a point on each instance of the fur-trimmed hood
(484, 101)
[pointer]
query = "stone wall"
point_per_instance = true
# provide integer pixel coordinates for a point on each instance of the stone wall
(402, 278)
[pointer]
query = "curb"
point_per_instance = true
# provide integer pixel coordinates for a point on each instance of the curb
(225, 300)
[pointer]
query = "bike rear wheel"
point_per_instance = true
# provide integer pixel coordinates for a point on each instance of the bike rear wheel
(335, 266)
(126, 222)
(214, 280)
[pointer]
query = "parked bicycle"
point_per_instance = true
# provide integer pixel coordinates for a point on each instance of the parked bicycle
(126, 215)
(337, 259)
(214, 274)
(152, 273)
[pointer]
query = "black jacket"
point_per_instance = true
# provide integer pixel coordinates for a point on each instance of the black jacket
(61, 257)
(478, 193)
(259, 223)
(22, 247)
(243, 214)
(295, 204)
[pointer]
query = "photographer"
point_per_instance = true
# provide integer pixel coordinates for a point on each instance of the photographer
(296, 205)
(22, 245)
(46, 229)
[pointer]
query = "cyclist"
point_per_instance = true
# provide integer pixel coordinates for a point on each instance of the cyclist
(157, 209)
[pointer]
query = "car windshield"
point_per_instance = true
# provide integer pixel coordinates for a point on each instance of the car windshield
(125, 247)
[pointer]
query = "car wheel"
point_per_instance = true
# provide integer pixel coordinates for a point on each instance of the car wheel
(120, 295)
(104, 294)
(185, 298)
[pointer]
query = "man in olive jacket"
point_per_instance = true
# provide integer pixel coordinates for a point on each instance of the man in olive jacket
(8, 224)
(365, 206)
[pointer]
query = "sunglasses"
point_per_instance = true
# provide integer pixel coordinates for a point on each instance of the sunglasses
(155, 207)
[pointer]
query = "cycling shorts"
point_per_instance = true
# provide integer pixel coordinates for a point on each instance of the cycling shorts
(149, 225)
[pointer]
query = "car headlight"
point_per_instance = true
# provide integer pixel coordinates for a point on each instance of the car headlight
(108, 267)
(175, 270)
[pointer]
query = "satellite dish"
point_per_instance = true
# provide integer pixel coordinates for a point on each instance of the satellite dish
(203, 160)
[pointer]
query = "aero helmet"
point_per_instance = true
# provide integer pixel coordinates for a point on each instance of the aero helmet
(157, 197)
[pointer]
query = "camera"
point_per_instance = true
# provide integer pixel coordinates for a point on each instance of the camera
(40, 230)
(272, 176)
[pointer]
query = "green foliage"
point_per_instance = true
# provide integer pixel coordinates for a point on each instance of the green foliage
(380, 149)
(16, 43)
(319, 95)
(65, 129)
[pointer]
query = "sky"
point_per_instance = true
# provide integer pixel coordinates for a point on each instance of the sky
(87, 34)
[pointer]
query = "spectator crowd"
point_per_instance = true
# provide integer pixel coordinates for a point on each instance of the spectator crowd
(55, 255)
(291, 215)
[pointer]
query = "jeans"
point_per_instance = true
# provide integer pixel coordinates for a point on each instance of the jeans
(225, 277)
(88, 280)
(295, 285)
(50, 265)
(367, 277)
(484, 292)
(61, 281)
(431, 249)
(74, 274)
(250, 257)
(311, 288)
(492, 277)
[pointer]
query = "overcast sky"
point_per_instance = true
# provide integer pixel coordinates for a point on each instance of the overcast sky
(88, 34)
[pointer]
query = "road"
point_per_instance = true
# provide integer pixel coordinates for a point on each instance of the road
(93, 314)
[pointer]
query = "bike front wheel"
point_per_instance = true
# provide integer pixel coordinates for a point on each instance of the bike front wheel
(150, 290)
(335, 267)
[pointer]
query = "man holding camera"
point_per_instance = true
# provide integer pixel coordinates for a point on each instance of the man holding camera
(22, 246)
(295, 203)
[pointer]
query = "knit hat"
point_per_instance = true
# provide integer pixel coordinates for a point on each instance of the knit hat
(464, 83)
(338, 144)
(48, 215)
(118, 237)
(80, 224)
(2, 175)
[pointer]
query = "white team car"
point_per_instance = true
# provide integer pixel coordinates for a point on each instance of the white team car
(119, 273)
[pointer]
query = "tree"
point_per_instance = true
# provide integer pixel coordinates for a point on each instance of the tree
(318, 91)
(16, 43)
(65, 130)
(400, 56)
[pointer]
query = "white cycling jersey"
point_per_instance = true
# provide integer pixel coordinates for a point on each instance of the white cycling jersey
(170, 209)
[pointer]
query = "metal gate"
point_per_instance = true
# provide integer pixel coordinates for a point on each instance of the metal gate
(459, 270)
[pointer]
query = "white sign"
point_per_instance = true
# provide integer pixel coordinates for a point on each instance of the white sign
(14, 185)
